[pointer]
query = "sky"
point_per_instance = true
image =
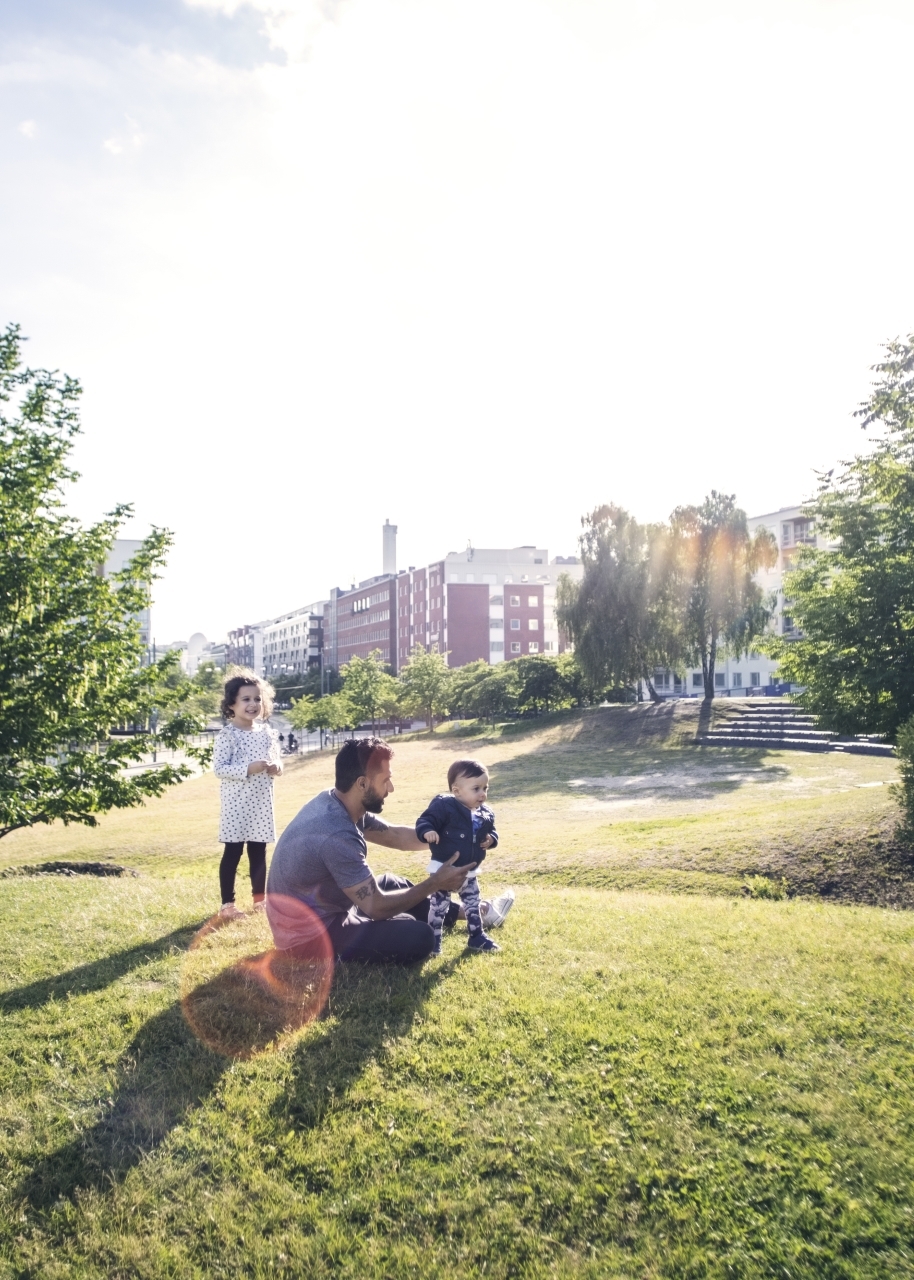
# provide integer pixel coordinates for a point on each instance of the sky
(475, 267)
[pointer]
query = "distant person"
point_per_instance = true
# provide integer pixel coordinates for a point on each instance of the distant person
(292, 743)
(281, 739)
(320, 870)
(459, 829)
(245, 760)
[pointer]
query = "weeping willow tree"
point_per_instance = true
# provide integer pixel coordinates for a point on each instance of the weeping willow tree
(621, 616)
(71, 650)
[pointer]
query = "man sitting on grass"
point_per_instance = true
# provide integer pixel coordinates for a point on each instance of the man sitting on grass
(321, 860)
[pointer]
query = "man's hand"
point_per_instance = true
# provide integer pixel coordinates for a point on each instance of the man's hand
(381, 904)
(448, 878)
(431, 837)
(487, 843)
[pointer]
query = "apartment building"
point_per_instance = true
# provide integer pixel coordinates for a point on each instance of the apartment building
(293, 643)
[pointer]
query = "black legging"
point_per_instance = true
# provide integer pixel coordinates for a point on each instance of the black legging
(257, 857)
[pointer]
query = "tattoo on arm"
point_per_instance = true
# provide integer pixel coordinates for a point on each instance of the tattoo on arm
(366, 890)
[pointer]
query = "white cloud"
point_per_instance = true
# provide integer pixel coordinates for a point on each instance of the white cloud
(131, 138)
(28, 129)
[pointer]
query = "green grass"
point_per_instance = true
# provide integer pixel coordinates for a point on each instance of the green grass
(644, 1082)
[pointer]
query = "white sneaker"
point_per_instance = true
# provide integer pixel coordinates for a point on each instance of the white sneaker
(497, 909)
(228, 911)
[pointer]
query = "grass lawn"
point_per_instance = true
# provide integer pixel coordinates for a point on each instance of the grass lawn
(657, 1076)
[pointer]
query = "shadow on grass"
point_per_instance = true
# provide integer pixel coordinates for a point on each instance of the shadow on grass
(163, 1074)
(371, 1005)
(557, 767)
(167, 1070)
(95, 976)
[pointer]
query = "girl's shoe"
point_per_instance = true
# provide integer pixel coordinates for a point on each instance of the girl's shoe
(228, 911)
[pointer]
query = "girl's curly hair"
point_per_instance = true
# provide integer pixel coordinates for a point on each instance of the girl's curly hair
(234, 683)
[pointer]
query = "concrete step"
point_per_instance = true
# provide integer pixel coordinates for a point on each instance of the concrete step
(852, 746)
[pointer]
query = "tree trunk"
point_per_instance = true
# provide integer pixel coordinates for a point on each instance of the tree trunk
(708, 662)
(655, 696)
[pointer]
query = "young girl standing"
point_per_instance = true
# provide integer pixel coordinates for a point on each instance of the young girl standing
(246, 760)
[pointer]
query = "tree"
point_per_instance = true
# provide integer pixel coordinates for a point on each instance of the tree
(720, 606)
(426, 681)
(71, 652)
(462, 682)
(852, 596)
(496, 695)
(363, 685)
(622, 615)
(541, 685)
(328, 714)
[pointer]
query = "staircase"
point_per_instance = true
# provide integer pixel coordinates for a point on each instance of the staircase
(783, 727)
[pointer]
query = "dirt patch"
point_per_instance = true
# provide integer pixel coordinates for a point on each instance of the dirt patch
(68, 869)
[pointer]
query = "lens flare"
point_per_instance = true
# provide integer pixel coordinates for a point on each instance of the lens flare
(240, 1004)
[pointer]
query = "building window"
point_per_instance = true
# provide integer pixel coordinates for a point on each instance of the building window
(496, 600)
(515, 601)
(697, 680)
(755, 679)
(533, 646)
(515, 624)
(515, 646)
(470, 577)
(737, 680)
(533, 602)
(786, 532)
(496, 624)
(720, 680)
(533, 624)
(548, 646)
(497, 646)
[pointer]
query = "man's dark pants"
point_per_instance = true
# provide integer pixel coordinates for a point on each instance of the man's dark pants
(403, 938)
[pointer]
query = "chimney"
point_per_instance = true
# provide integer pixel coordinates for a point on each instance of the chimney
(390, 548)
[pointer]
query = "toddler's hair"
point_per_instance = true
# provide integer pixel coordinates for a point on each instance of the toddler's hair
(233, 686)
(465, 769)
(357, 758)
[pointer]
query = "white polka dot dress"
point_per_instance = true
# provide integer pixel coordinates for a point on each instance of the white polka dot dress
(247, 802)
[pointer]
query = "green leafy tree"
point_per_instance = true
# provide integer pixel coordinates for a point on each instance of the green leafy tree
(718, 606)
(364, 686)
(496, 696)
(301, 713)
(426, 682)
(852, 595)
(463, 680)
(541, 684)
(622, 616)
(71, 652)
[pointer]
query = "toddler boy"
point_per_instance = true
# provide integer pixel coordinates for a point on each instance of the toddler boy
(460, 823)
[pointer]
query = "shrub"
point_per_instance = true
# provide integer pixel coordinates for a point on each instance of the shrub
(762, 887)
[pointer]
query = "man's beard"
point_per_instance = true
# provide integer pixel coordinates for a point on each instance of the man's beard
(373, 802)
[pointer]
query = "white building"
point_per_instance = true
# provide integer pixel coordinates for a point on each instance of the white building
(120, 555)
(291, 643)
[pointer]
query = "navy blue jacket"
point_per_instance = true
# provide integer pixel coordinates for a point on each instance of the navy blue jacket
(454, 823)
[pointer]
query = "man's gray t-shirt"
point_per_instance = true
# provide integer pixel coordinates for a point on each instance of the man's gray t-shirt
(320, 853)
